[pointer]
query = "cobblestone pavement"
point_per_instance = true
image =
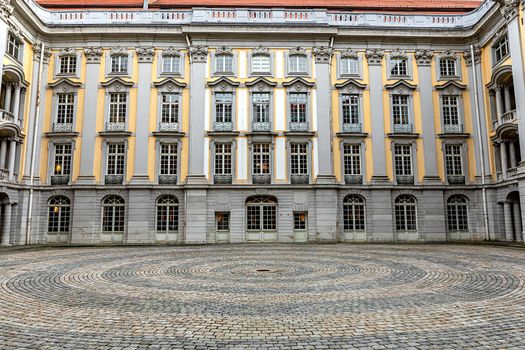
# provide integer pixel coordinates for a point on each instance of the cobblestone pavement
(264, 296)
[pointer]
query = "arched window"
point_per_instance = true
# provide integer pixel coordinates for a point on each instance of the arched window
(167, 214)
(354, 213)
(405, 213)
(457, 213)
(59, 218)
(113, 208)
(261, 213)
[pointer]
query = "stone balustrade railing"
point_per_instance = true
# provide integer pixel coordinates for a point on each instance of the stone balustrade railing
(7, 117)
(257, 16)
(507, 117)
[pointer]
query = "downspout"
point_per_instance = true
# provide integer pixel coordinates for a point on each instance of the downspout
(330, 48)
(33, 150)
(480, 146)
(145, 6)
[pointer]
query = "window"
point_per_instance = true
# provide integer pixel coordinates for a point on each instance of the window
(59, 215)
(299, 220)
(352, 159)
(62, 159)
(457, 213)
(350, 108)
(115, 158)
(354, 213)
(117, 107)
(222, 221)
(261, 158)
(119, 64)
(167, 214)
(501, 49)
(168, 159)
(260, 64)
(224, 63)
(65, 108)
(405, 213)
(403, 160)
(68, 64)
(223, 159)
(170, 108)
(223, 107)
(261, 107)
(453, 160)
(349, 66)
(14, 47)
(298, 102)
(170, 64)
(113, 209)
(450, 110)
(261, 213)
(398, 67)
(447, 67)
(297, 64)
(299, 158)
(400, 109)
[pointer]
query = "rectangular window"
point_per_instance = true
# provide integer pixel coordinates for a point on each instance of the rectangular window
(501, 49)
(261, 107)
(117, 107)
(403, 159)
(170, 108)
(223, 159)
(119, 64)
(450, 110)
(447, 67)
(68, 64)
(260, 64)
(223, 107)
(261, 158)
(298, 104)
(62, 159)
(14, 47)
(224, 64)
(400, 108)
(222, 221)
(171, 64)
(299, 220)
(115, 158)
(350, 108)
(299, 158)
(168, 159)
(352, 159)
(453, 160)
(65, 108)
(398, 67)
(297, 64)
(349, 66)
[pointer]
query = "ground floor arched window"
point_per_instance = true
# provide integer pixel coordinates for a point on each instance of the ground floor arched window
(261, 213)
(59, 215)
(405, 213)
(113, 212)
(354, 213)
(167, 214)
(457, 213)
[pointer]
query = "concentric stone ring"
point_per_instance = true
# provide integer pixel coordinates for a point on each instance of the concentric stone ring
(263, 296)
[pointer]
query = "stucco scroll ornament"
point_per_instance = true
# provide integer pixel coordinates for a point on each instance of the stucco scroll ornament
(37, 53)
(467, 54)
(199, 53)
(223, 50)
(297, 51)
(261, 50)
(171, 51)
(93, 54)
(145, 54)
(349, 53)
(322, 54)
(374, 56)
(424, 57)
(118, 51)
(398, 53)
(6, 9)
(67, 51)
(448, 53)
(509, 8)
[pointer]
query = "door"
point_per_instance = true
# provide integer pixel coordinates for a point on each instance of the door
(261, 219)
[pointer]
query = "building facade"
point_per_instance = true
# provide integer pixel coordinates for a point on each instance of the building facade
(165, 121)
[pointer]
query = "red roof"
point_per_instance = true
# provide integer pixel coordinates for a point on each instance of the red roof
(397, 5)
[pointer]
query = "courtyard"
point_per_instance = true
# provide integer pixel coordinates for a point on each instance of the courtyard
(274, 296)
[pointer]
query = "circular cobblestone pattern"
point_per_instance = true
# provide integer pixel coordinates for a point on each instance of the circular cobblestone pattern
(263, 296)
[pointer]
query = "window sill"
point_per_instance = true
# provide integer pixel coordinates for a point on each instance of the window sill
(171, 74)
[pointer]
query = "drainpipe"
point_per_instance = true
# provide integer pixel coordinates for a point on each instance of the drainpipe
(145, 6)
(33, 150)
(480, 146)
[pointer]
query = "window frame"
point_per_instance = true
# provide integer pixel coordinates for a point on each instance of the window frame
(449, 55)
(51, 208)
(261, 51)
(399, 55)
(455, 205)
(227, 215)
(170, 52)
(406, 225)
(504, 38)
(349, 54)
(298, 51)
(11, 40)
(109, 61)
(159, 205)
(224, 52)
(113, 214)
(359, 201)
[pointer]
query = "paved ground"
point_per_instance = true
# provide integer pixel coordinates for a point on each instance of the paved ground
(264, 296)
